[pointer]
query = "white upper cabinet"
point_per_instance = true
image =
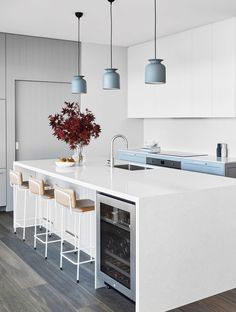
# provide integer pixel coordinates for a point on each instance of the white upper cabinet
(200, 68)
(2, 134)
(2, 187)
(2, 66)
(200, 82)
(173, 98)
(224, 68)
(141, 97)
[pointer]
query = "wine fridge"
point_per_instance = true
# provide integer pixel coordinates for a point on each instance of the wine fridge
(116, 243)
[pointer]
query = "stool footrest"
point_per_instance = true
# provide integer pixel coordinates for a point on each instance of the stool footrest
(73, 262)
(70, 241)
(69, 251)
(39, 234)
(22, 220)
(49, 242)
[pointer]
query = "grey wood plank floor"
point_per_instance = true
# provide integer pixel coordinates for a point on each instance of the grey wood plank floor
(28, 283)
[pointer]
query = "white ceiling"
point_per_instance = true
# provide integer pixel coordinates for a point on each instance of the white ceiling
(133, 19)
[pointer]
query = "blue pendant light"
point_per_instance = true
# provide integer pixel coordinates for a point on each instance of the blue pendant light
(111, 79)
(79, 84)
(155, 72)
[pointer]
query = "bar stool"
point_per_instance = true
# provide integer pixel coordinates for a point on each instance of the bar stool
(39, 189)
(67, 199)
(18, 185)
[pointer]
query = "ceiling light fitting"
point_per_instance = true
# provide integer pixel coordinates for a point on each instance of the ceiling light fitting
(155, 71)
(79, 84)
(111, 79)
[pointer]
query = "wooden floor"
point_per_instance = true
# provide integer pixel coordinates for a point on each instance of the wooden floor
(28, 283)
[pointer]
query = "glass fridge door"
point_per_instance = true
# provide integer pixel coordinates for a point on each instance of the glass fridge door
(115, 243)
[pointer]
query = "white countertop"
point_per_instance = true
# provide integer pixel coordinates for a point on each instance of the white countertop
(132, 185)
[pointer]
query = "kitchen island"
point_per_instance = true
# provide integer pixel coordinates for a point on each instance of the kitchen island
(185, 230)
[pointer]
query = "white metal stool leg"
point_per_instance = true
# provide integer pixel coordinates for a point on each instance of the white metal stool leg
(90, 235)
(24, 217)
(43, 237)
(35, 221)
(77, 208)
(18, 185)
(15, 207)
(75, 234)
(46, 238)
(50, 223)
(62, 236)
(40, 213)
(55, 215)
(79, 244)
(21, 223)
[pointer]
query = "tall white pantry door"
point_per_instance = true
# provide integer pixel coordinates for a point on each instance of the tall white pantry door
(35, 101)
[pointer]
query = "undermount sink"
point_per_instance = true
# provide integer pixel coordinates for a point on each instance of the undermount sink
(131, 167)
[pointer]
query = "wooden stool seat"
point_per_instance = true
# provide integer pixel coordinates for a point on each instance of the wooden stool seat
(84, 205)
(25, 185)
(48, 194)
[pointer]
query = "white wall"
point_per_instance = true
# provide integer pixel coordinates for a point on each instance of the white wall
(48, 60)
(193, 135)
(109, 107)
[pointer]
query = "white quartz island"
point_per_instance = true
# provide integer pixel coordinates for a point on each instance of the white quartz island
(185, 227)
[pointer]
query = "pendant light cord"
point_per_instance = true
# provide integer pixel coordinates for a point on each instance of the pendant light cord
(111, 38)
(79, 48)
(155, 27)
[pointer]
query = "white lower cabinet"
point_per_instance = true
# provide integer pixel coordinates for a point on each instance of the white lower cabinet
(2, 187)
(200, 68)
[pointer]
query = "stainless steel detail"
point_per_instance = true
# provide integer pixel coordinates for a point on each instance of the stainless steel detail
(112, 147)
(224, 150)
(131, 167)
(118, 219)
(163, 162)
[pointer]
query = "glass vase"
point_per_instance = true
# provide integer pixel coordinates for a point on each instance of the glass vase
(78, 155)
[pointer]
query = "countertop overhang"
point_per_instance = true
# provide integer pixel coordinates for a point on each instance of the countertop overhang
(132, 185)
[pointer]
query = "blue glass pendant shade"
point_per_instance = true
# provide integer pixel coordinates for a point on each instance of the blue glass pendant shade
(111, 79)
(155, 72)
(79, 84)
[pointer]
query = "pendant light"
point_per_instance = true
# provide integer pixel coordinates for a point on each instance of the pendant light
(111, 79)
(155, 72)
(79, 84)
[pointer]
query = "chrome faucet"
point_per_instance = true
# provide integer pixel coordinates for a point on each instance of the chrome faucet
(112, 147)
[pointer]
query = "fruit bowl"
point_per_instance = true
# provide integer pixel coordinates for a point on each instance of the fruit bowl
(65, 162)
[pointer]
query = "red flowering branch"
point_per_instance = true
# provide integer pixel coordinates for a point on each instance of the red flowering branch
(73, 126)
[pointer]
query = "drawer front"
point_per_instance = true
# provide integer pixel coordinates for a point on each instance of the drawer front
(132, 157)
(2, 187)
(204, 167)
